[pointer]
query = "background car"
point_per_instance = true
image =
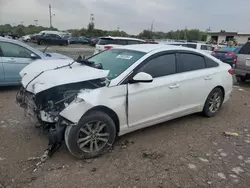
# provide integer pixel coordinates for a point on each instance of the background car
(242, 65)
(51, 39)
(199, 46)
(15, 55)
(26, 38)
(77, 40)
(105, 43)
(227, 54)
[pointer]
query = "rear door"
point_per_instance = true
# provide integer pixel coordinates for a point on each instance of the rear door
(14, 59)
(196, 81)
(243, 58)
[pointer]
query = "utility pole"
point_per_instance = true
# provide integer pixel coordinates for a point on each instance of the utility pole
(151, 29)
(50, 17)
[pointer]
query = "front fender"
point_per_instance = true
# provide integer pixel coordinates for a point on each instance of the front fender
(75, 111)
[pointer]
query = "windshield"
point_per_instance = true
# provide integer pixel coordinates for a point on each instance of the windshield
(116, 60)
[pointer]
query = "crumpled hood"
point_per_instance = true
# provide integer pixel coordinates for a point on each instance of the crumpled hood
(44, 74)
(57, 56)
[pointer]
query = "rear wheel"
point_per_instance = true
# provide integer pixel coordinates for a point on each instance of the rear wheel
(213, 102)
(94, 135)
(240, 79)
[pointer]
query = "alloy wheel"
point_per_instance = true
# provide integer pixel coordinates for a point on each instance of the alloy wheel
(93, 136)
(215, 102)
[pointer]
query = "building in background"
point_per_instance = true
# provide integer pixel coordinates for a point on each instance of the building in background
(224, 36)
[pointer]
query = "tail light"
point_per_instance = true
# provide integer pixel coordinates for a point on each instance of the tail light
(235, 60)
(230, 71)
(231, 54)
(107, 47)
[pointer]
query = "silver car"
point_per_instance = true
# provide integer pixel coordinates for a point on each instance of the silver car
(14, 56)
(242, 65)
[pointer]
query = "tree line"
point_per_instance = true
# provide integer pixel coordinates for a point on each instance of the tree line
(186, 34)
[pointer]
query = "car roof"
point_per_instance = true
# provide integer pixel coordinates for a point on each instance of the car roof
(151, 47)
(124, 38)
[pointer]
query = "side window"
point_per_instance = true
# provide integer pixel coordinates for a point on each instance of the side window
(134, 42)
(14, 50)
(160, 66)
(204, 47)
(194, 46)
(190, 62)
(245, 49)
(210, 48)
(121, 42)
(210, 63)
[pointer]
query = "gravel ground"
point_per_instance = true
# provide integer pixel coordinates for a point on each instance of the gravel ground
(187, 152)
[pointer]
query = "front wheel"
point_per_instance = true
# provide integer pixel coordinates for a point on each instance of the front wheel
(213, 102)
(94, 135)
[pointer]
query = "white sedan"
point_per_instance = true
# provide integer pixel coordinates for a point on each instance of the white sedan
(120, 90)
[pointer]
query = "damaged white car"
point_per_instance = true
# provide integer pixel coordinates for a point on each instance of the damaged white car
(89, 103)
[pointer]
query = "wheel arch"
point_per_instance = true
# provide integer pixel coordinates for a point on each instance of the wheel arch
(109, 112)
(222, 89)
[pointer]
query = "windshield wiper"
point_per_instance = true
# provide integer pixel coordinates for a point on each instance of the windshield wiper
(89, 63)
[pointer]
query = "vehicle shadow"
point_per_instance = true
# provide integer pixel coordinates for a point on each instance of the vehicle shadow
(9, 88)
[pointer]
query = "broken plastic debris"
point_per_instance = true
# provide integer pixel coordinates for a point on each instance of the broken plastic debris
(223, 154)
(230, 134)
(241, 89)
(33, 158)
(247, 141)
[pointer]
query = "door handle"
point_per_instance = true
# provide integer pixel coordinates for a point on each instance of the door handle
(174, 86)
(208, 78)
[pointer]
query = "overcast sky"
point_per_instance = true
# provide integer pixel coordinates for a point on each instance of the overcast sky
(131, 16)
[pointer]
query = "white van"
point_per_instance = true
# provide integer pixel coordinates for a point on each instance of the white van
(50, 32)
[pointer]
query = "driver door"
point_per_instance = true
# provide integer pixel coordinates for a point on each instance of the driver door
(14, 59)
(158, 101)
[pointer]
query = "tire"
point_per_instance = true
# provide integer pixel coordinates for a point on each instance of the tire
(215, 98)
(240, 79)
(41, 42)
(74, 134)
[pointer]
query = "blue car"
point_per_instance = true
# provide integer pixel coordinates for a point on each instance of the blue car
(14, 56)
(227, 54)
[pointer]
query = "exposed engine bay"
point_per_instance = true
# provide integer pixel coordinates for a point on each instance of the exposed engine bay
(47, 105)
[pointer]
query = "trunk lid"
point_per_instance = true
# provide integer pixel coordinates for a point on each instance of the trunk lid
(44, 74)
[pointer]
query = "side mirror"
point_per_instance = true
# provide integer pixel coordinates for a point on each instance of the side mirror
(142, 77)
(33, 56)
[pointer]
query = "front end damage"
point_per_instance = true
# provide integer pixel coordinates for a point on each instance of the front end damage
(43, 99)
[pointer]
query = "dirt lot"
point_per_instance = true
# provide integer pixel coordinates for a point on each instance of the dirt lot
(185, 153)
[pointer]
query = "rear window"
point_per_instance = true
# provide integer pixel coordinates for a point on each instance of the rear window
(245, 49)
(106, 41)
(116, 60)
(226, 49)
